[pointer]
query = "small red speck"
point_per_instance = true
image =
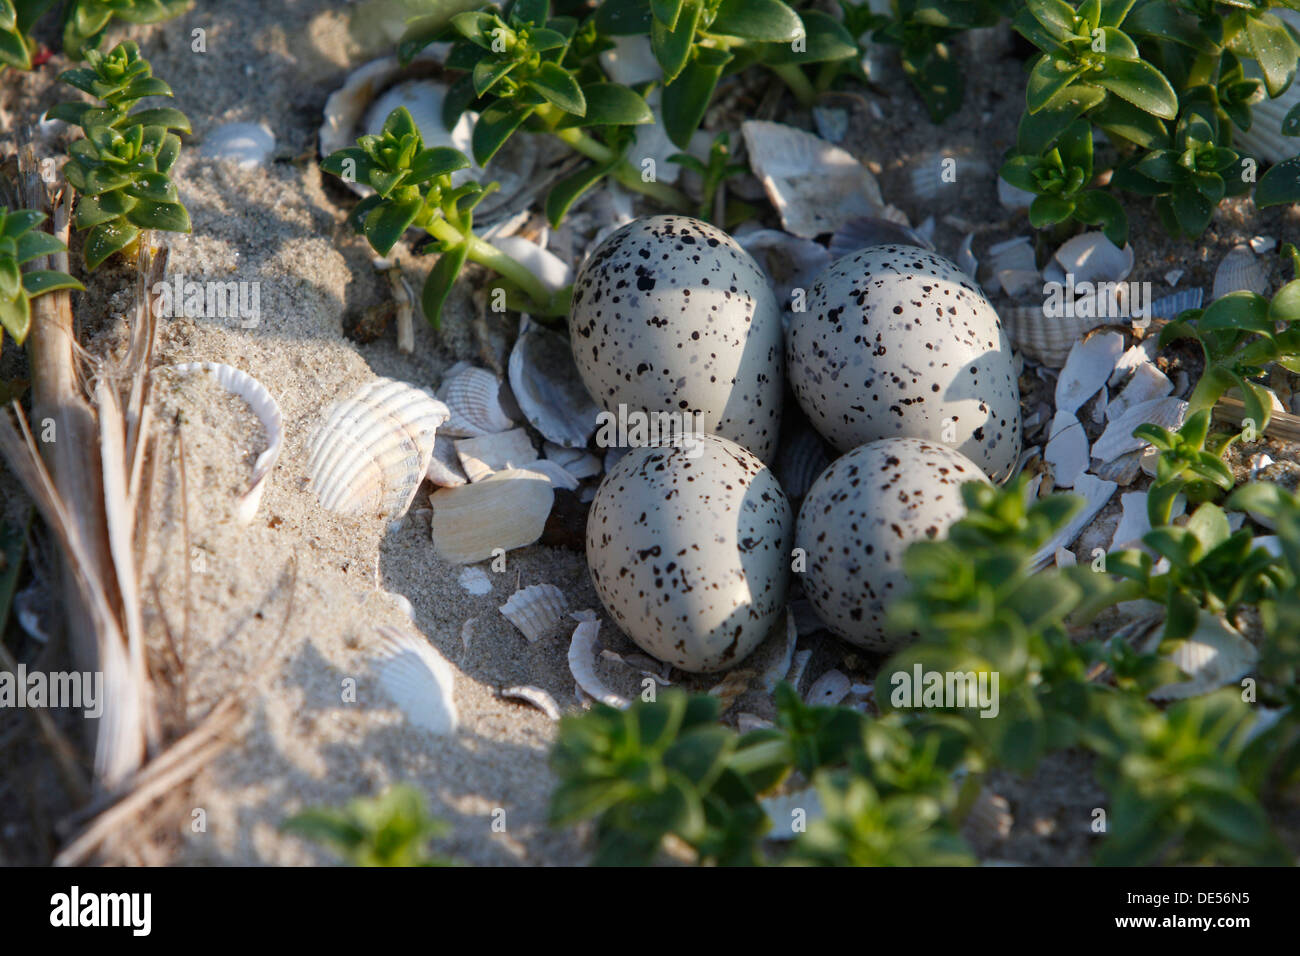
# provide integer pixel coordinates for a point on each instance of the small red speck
(43, 54)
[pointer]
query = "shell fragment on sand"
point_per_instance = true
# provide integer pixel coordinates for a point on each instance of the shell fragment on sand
(535, 610)
(1118, 438)
(418, 679)
(1087, 368)
(534, 696)
(483, 456)
(582, 665)
(504, 511)
(548, 389)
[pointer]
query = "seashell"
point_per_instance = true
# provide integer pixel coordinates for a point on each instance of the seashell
(1213, 656)
(1173, 275)
(467, 633)
(1014, 198)
(1067, 450)
(800, 664)
(238, 382)
(631, 61)
(35, 607)
(552, 271)
(1046, 339)
(789, 262)
(1086, 370)
(482, 456)
(375, 89)
(815, 186)
(1065, 558)
(1090, 257)
(418, 679)
(249, 145)
(790, 812)
(828, 690)
(832, 123)
(775, 672)
(1262, 245)
(576, 461)
(474, 580)
(1239, 270)
(535, 696)
(444, 467)
(800, 459)
(559, 478)
(1122, 470)
(1173, 305)
(863, 231)
(473, 399)
(547, 386)
(966, 258)
(1013, 266)
(582, 665)
(1118, 438)
(372, 450)
(1099, 407)
(733, 686)
(1269, 138)
(1095, 493)
(934, 174)
(506, 510)
(651, 147)
(1143, 353)
(1133, 522)
(1147, 383)
(747, 722)
(535, 610)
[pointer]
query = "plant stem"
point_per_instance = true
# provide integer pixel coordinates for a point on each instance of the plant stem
(761, 756)
(486, 254)
(793, 77)
(623, 171)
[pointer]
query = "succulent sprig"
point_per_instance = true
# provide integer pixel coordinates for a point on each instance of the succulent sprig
(20, 243)
(84, 24)
(120, 168)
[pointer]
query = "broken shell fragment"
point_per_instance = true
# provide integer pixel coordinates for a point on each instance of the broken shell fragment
(444, 467)
(418, 679)
(248, 145)
(815, 186)
(1087, 369)
(238, 382)
(576, 461)
(373, 449)
(1046, 338)
(1090, 257)
(790, 262)
(582, 665)
(863, 231)
(1118, 438)
(504, 511)
(535, 696)
(535, 610)
(486, 454)
(1213, 656)
(1095, 493)
(828, 690)
(548, 388)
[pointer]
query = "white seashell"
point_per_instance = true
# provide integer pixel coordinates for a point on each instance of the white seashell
(863, 231)
(1267, 137)
(774, 673)
(1148, 382)
(631, 61)
(444, 466)
(1067, 450)
(800, 664)
(1239, 270)
(832, 123)
(966, 257)
(1014, 198)
(1133, 523)
(815, 186)
(1213, 656)
(1086, 370)
(1013, 266)
(1099, 407)
(746, 722)
(582, 665)
(473, 399)
(789, 262)
(934, 174)
(418, 679)
(1046, 338)
(1262, 245)
(1122, 470)
(547, 386)
(790, 812)
(576, 461)
(1090, 257)
(1172, 306)
(799, 460)
(560, 479)
(1065, 558)
(1135, 356)
(1173, 275)
(372, 450)
(1118, 438)
(552, 271)
(535, 610)
(482, 456)
(504, 511)
(829, 689)
(264, 406)
(535, 696)
(249, 145)
(475, 580)
(1095, 493)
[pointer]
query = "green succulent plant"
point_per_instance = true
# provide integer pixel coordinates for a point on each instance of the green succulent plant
(20, 243)
(391, 829)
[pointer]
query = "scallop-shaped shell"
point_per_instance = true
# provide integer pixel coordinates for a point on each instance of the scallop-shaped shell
(863, 231)
(418, 679)
(1268, 137)
(535, 610)
(373, 90)
(506, 510)
(1090, 257)
(815, 186)
(1173, 305)
(548, 388)
(373, 450)
(473, 399)
(1239, 270)
(239, 382)
(1046, 339)
(1213, 656)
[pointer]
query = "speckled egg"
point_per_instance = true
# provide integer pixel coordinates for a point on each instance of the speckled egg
(899, 342)
(689, 550)
(858, 518)
(670, 314)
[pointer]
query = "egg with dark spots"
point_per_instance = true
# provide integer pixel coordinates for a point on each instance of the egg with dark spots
(671, 315)
(858, 519)
(689, 550)
(897, 342)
